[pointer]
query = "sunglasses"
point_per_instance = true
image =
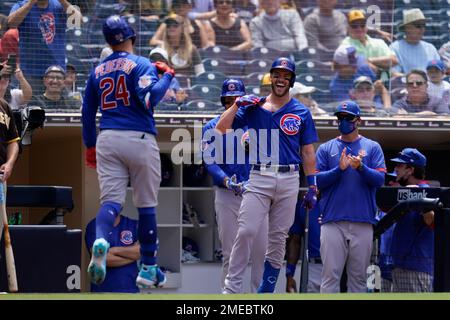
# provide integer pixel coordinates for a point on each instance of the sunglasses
(415, 83)
(419, 25)
(357, 25)
(364, 89)
(347, 117)
(217, 2)
(172, 24)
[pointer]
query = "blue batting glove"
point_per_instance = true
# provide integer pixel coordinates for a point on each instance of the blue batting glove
(247, 100)
(310, 199)
(237, 188)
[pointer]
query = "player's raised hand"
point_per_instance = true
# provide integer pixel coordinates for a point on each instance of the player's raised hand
(355, 162)
(91, 158)
(344, 161)
(247, 100)
(164, 68)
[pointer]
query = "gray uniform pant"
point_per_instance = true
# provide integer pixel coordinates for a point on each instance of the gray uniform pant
(268, 194)
(314, 277)
(345, 242)
(227, 206)
(125, 156)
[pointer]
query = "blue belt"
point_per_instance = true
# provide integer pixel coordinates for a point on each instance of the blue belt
(276, 168)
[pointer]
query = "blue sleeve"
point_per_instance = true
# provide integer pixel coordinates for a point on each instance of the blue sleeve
(309, 134)
(89, 235)
(88, 114)
(149, 88)
(213, 169)
(240, 119)
(17, 6)
(174, 84)
(328, 178)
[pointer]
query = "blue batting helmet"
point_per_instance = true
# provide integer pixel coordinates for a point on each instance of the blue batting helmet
(117, 30)
(286, 64)
(232, 88)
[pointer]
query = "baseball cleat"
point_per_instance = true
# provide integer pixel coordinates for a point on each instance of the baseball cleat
(150, 276)
(97, 266)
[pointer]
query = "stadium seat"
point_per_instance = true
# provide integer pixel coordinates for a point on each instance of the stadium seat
(221, 52)
(205, 92)
(267, 54)
(314, 80)
(313, 54)
(253, 78)
(167, 107)
(221, 65)
(199, 106)
(322, 69)
(258, 65)
(209, 79)
(253, 90)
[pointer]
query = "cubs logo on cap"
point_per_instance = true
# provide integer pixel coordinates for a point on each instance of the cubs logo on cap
(126, 237)
(290, 124)
(231, 87)
(284, 63)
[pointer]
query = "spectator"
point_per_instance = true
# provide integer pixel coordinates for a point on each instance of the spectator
(417, 100)
(348, 66)
(153, 10)
(15, 97)
(9, 39)
(303, 94)
(200, 31)
(438, 87)
(183, 54)
(42, 27)
(265, 87)
(230, 31)
(412, 52)
(277, 28)
(53, 98)
(121, 260)
(200, 8)
(70, 83)
(325, 27)
(444, 52)
(175, 94)
(412, 246)
(246, 10)
(364, 93)
(378, 55)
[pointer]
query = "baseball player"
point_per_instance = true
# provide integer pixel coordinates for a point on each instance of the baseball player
(412, 246)
(229, 179)
(273, 184)
(350, 169)
(293, 249)
(126, 88)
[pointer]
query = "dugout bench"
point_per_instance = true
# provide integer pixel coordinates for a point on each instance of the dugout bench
(47, 256)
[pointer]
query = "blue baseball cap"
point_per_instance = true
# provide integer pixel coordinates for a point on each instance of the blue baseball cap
(436, 64)
(349, 107)
(412, 157)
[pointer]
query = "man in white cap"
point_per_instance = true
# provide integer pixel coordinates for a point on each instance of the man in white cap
(175, 94)
(412, 52)
(303, 94)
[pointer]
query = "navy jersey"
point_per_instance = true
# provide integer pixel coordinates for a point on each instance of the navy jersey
(349, 197)
(412, 246)
(118, 279)
(225, 168)
(294, 125)
(125, 88)
(298, 227)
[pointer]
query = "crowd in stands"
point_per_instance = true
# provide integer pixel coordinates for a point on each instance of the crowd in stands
(393, 57)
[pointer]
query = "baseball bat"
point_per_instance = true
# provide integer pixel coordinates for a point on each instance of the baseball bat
(304, 268)
(10, 264)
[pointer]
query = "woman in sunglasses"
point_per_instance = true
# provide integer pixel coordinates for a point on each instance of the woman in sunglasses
(412, 52)
(417, 100)
(230, 31)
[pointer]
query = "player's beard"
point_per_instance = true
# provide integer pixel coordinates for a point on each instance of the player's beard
(275, 91)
